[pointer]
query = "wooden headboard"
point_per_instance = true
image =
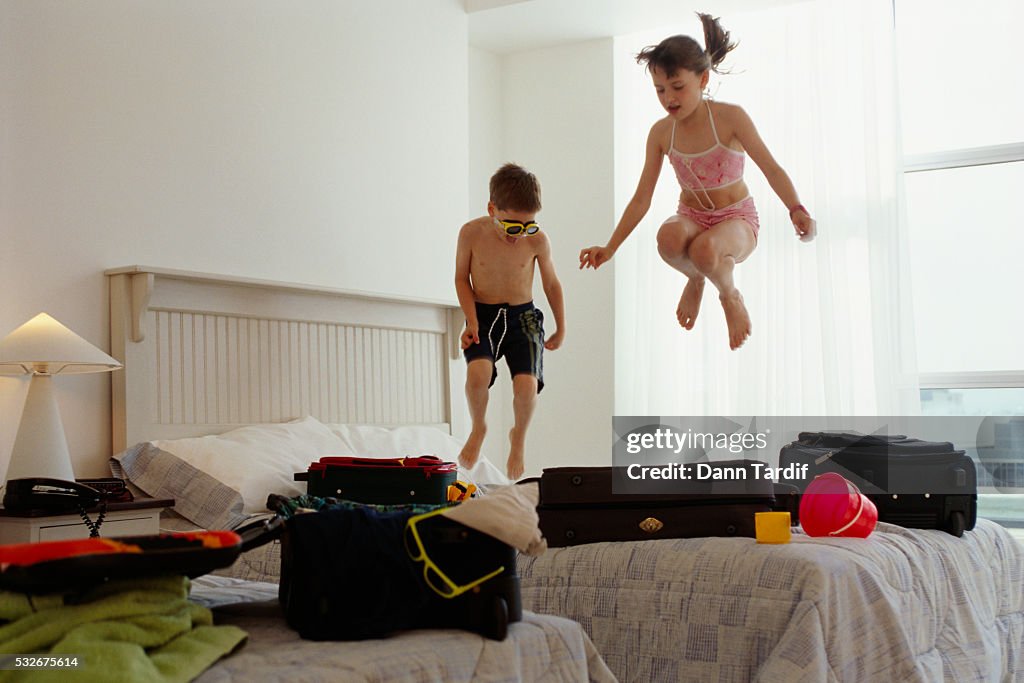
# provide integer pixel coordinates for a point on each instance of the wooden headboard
(206, 353)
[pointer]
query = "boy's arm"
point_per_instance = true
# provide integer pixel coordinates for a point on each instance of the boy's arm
(553, 292)
(464, 289)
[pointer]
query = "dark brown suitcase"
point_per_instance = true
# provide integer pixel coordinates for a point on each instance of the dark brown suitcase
(586, 505)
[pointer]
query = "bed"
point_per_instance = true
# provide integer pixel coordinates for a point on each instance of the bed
(539, 648)
(232, 385)
(217, 369)
(901, 605)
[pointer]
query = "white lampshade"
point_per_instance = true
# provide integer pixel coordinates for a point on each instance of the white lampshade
(43, 347)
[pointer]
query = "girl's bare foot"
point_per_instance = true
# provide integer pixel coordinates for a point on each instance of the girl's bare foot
(737, 318)
(514, 467)
(689, 303)
(471, 451)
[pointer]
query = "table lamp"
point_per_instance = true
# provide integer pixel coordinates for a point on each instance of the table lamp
(43, 347)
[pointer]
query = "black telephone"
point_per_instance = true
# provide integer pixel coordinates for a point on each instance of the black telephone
(49, 494)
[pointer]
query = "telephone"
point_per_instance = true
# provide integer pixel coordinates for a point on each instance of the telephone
(49, 494)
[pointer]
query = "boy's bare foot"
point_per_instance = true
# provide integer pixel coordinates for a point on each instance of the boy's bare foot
(514, 467)
(471, 451)
(689, 303)
(737, 318)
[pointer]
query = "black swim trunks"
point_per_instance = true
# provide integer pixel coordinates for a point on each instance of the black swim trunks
(515, 332)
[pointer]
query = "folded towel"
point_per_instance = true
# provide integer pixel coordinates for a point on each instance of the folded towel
(135, 630)
(509, 513)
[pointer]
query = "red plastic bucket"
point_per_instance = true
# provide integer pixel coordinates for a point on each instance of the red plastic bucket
(832, 506)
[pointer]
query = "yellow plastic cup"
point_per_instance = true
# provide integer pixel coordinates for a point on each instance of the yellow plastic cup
(772, 527)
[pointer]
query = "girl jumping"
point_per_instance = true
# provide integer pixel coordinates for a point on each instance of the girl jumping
(715, 226)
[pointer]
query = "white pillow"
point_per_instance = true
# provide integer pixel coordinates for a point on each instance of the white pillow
(368, 441)
(258, 460)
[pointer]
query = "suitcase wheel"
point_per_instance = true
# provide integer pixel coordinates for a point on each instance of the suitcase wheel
(957, 523)
(495, 624)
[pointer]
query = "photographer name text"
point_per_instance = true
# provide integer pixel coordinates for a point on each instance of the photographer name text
(703, 471)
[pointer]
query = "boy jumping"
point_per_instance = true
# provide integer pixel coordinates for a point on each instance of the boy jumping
(494, 267)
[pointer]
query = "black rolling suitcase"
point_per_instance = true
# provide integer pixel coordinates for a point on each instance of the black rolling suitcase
(579, 505)
(913, 483)
(381, 481)
(346, 574)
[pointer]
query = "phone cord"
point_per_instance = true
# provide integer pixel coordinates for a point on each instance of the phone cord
(94, 527)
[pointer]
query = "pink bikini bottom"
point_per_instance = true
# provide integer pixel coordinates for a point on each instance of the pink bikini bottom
(743, 210)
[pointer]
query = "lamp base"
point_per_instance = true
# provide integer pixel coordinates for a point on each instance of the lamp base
(40, 447)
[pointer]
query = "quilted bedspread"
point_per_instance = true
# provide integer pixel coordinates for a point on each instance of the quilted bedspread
(538, 648)
(901, 605)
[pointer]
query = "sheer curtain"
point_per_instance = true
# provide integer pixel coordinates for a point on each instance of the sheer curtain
(832, 322)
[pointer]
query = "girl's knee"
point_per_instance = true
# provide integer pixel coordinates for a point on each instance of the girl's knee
(671, 239)
(704, 255)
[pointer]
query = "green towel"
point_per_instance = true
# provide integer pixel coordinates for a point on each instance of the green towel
(135, 630)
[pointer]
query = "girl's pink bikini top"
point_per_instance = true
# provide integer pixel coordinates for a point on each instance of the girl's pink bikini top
(711, 169)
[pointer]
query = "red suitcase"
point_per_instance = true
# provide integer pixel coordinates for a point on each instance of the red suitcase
(381, 481)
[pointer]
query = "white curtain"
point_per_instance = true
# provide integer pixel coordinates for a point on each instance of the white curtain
(832, 322)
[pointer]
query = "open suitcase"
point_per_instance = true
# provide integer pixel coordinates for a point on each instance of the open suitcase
(579, 505)
(346, 574)
(62, 566)
(913, 483)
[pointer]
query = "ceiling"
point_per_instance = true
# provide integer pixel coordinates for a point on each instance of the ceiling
(506, 26)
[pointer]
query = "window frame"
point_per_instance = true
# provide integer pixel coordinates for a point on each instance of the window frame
(962, 158)
(967, 158)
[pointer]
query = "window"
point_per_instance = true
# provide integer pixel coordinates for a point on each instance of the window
(963, 140)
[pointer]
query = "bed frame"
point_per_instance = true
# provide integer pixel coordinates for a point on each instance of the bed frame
(206, 353)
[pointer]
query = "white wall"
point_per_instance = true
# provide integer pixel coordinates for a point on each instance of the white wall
(558, 122)
(298, 141)
(486, 155)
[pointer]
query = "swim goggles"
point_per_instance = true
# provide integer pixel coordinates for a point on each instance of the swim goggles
(513, 228)
(436, 579)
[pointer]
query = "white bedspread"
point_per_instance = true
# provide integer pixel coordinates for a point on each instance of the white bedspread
(539, 648)
(901, 605)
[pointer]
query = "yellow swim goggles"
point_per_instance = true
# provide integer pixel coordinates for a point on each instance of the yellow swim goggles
(513, 228)
(438, 581)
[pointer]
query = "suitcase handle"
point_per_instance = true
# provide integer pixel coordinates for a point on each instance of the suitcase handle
(260, 532)
(845, 439)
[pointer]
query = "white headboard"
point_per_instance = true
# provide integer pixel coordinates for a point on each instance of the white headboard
(206, 353)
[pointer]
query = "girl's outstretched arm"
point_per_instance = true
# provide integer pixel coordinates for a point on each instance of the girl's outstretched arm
(593, 257)
(774, 173)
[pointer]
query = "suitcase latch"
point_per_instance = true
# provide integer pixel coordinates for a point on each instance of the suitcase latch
(651, 525)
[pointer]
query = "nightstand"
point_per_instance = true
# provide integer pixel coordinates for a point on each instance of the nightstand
(139, 517)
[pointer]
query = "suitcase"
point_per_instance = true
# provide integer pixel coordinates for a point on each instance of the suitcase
(381, 481)
(913, 483)
(63, 566)
(579, 505)
(346, 574)
(468, 554)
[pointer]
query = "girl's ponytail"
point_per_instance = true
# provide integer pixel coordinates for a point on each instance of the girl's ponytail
(716, 40)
